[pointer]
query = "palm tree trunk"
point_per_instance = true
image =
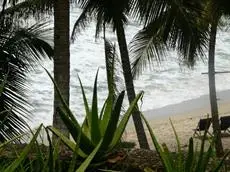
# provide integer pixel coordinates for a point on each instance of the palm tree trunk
(61, 58)
(142, 139)
(212, 91)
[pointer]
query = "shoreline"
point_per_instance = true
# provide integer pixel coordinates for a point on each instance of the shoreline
(185, 117)
(189, 106)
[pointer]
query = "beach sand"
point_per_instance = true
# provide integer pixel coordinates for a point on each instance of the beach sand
(185, 117)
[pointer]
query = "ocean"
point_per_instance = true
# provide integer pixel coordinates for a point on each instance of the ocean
(165, 84)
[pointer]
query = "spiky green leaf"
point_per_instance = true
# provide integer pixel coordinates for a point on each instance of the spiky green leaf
(88, 160)
(67, 141)
(24, 153)
(124, 121)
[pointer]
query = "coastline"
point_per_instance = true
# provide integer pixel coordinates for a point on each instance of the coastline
(185, 117)
(200, 104)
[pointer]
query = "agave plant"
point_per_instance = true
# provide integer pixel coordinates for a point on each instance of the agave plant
(100, 132)
(193, 161)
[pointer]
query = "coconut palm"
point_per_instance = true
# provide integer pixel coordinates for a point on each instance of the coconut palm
(170, 24)
(212, 90)
(114, 13)
(215, 10)
(27, 8)
(184, 26)
(167, 24)
(61, 59)
(20, 50)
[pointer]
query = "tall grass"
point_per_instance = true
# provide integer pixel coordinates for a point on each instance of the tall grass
(191, 161)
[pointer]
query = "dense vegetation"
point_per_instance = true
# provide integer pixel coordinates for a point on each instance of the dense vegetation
(187, 26)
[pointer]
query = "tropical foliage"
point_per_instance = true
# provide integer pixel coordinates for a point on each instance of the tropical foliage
(170, 24)
(100, 131)
(215, 11)
(20, 51)
(190, 161)
(114, 13)
(187, 26)
(190, 28)
(36, 157)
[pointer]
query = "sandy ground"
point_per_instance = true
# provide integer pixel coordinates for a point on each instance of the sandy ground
(184, 120)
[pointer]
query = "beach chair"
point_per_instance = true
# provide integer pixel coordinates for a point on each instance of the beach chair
(225, 123)
(203, 125)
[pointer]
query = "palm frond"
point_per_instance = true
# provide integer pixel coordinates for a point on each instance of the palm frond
(109, 12)
(146, 48)
(187, 32)
(113, 68)
(81, 23)
(20, 49)
(26, 8)
(175, 23)
(148, 10)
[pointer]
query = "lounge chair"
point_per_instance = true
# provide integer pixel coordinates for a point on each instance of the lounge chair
(203, 125)
(225, 123)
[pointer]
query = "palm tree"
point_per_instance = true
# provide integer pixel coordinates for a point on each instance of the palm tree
(61, 43)
(185, 27)
(167, 24)
(215, 10)
(61, 58)
(20, 50)
(212, 90)
(114, 12)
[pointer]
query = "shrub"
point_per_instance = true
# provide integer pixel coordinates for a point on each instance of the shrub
(100, 131)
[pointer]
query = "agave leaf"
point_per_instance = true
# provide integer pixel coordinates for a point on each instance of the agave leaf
(207, 155)
(69, 119)
(13, 166)
(95, 130)
(201, 155)
(72, 127)
(88, 160)
(106, 114)
(75, 155)
(221, 162)
(169, 156)
(92, 116)
(67, 141)
(180, 157)
(56, 151)
(164, 158)
(64, 104)
(49, 162)
(40, 157)
(102, 113)
(206, 159)
(190, 157)
(86, 144)
(85, 128)
(121, 127)
(85, 102)
(113, 121)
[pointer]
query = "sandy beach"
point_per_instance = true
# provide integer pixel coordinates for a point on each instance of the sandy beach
(185, 117)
